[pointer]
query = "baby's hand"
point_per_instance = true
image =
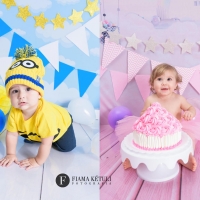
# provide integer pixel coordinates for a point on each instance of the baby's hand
(28, 163)
(188, 115)
(8, 160)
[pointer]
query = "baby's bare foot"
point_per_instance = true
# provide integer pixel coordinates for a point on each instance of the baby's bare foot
(191, 164)
(126, 164)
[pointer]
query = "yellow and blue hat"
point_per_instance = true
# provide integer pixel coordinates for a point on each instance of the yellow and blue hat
(27, 69)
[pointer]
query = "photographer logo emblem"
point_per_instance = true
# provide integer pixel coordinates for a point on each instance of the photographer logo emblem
(62, 180)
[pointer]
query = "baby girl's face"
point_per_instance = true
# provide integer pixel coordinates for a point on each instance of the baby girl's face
(165, 84)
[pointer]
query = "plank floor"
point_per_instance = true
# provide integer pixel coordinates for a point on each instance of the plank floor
(126, 185)
(39, 183)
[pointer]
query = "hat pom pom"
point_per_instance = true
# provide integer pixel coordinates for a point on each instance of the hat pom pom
(25, 52)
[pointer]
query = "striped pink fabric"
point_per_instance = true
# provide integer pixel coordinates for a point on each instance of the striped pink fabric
(135, 63)
(110, 52)
(154, 64)
(186, 74)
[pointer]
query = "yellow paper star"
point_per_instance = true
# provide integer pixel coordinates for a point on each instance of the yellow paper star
(58, 21)
(9, 3)
(23, 12)
(92, 7)
(76, 17)
(40, 20)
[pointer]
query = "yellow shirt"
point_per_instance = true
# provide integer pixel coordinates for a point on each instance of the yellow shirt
(49, 119)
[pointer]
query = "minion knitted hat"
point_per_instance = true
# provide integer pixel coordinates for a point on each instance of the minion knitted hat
(27, 69)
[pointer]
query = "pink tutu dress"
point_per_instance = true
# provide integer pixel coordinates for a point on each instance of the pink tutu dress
(192, 127)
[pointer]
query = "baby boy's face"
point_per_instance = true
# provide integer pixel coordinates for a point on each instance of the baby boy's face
(24, 97)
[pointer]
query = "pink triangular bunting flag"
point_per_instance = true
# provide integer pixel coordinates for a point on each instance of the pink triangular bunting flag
(135, 63)
(110, 52)
(195, 81)
(143, 85)
(186, 74)
(197, 67)
(102, 71)
(154, 64)
(118, 86)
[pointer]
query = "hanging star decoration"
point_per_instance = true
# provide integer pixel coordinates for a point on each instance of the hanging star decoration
(40, 20)
(150, 45)
(23, 12)
(58, 21)
(133, 41)
(9, 3)
(168, 46)
(76, 17)
(92, 7)
(186, 46)
(114, 36)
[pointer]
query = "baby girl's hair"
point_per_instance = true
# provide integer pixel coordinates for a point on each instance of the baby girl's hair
(159, 70)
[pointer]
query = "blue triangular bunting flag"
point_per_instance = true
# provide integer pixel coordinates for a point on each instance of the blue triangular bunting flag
(64, 71)
(4, 28)
(17, 42)
(42, 57)
(85, 79)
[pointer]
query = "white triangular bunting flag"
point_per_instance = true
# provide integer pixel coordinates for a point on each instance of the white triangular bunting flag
(93, 26)
(5, 63)
(51, 52)
(118, 86)
(110, 52)
(186, 74)
(79, 38)
(154, 64)
(135, 63)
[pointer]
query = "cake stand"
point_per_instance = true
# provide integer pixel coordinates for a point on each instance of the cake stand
(156, 166)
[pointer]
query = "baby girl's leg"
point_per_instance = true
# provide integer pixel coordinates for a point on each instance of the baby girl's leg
(126, 164)
(192, 163)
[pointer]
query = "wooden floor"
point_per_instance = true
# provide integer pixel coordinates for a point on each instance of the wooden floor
(126, 185)
(39, 183)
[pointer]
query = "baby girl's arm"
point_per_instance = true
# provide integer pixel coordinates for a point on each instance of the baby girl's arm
(11, 142)
(188, 108)
(146, 105)
(41, 157)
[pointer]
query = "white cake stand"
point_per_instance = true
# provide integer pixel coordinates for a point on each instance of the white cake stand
(156, 166)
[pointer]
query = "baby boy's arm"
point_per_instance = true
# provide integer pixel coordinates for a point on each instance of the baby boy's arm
(11, 143)
(44, 150)
(41, 157)
(190, 111)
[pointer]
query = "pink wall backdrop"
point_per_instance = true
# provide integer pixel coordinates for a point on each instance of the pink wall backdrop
(160, 19)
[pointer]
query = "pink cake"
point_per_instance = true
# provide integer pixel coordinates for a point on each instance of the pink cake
(156, 129)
